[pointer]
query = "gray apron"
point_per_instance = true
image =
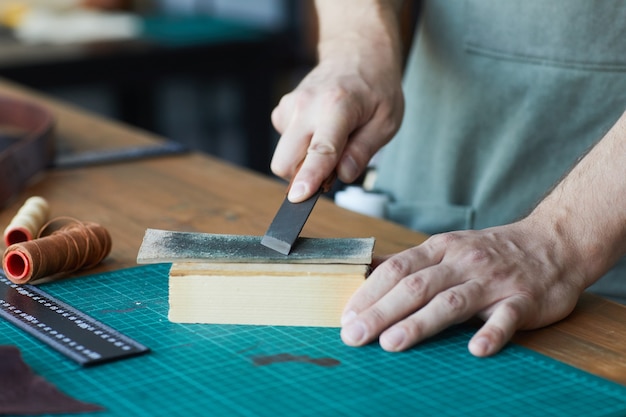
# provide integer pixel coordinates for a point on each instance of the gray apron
(502, 98)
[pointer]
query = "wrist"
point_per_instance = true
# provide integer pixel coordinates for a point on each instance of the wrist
(584, 240)
(585, 211)
(552, 230)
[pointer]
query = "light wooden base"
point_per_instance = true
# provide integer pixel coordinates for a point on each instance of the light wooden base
(262, 294)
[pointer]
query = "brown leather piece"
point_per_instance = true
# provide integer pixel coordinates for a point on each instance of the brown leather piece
(31, 153)
(23, 392)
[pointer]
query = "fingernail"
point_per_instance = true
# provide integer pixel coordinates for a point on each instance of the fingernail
(353, 333)
(347, 317)
(480, 346)
(393, 339)
(297, 190)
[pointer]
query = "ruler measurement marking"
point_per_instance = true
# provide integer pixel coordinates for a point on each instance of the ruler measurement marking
(64, 328)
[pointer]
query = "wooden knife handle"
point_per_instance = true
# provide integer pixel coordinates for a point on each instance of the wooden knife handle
(328, 182)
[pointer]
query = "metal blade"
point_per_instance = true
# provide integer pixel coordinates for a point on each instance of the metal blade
(288, 223)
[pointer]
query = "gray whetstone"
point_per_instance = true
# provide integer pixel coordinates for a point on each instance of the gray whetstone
(162, 246)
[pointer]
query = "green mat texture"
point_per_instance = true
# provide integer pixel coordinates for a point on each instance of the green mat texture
(219, 370)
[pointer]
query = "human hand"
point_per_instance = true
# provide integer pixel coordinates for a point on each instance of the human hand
(515, 277)
(342, 112)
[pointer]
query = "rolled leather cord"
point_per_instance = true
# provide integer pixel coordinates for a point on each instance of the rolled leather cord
(31, 150)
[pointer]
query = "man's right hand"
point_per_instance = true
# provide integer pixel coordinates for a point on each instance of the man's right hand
(348, 106)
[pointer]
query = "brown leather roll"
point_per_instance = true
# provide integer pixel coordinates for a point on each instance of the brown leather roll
(32, 149)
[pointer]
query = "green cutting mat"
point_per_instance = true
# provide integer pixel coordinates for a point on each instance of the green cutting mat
(210, 370)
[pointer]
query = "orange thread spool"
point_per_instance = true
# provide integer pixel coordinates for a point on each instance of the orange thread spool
(65, 245)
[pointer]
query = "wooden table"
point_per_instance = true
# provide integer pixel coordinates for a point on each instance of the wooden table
(131, 71)
(195, 192)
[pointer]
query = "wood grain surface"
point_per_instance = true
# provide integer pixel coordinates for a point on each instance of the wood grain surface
(198, 193)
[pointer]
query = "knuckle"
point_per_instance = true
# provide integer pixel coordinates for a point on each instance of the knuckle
(322, 148)
(477, 255)
(395, 267)
(277, 119)
(454, 301)
(415, 330)
(279, 168)
(388, 122)
(415, 285)
(298, 99)
(388, 128)
(291, 102)
(297, 103)
(284, 101)
(503, 277)
(443, 239)
(337, 94)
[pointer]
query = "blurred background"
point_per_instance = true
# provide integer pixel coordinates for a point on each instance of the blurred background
(204, 73)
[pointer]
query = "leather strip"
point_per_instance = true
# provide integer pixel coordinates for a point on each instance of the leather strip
(30, 152)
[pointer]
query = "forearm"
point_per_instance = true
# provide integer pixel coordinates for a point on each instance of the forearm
(350, 105)
(586, 212)
(348, 23)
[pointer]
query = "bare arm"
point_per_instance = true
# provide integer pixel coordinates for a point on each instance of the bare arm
(523, 275)
(350, 104)
(587, 210)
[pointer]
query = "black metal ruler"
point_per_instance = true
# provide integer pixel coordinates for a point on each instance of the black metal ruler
(66, 329)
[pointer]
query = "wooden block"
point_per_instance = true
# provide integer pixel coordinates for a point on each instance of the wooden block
(163, 246)
(233, 279)
(262, 294)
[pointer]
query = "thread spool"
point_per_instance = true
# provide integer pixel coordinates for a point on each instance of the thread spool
(27, 221)
(70, 245)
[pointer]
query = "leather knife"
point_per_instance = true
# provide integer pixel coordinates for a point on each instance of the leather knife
(290, 219)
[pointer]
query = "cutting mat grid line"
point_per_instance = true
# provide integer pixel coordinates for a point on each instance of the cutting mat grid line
(211, 370)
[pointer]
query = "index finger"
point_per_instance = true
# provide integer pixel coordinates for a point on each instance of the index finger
(389, 273)
(327, 143)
